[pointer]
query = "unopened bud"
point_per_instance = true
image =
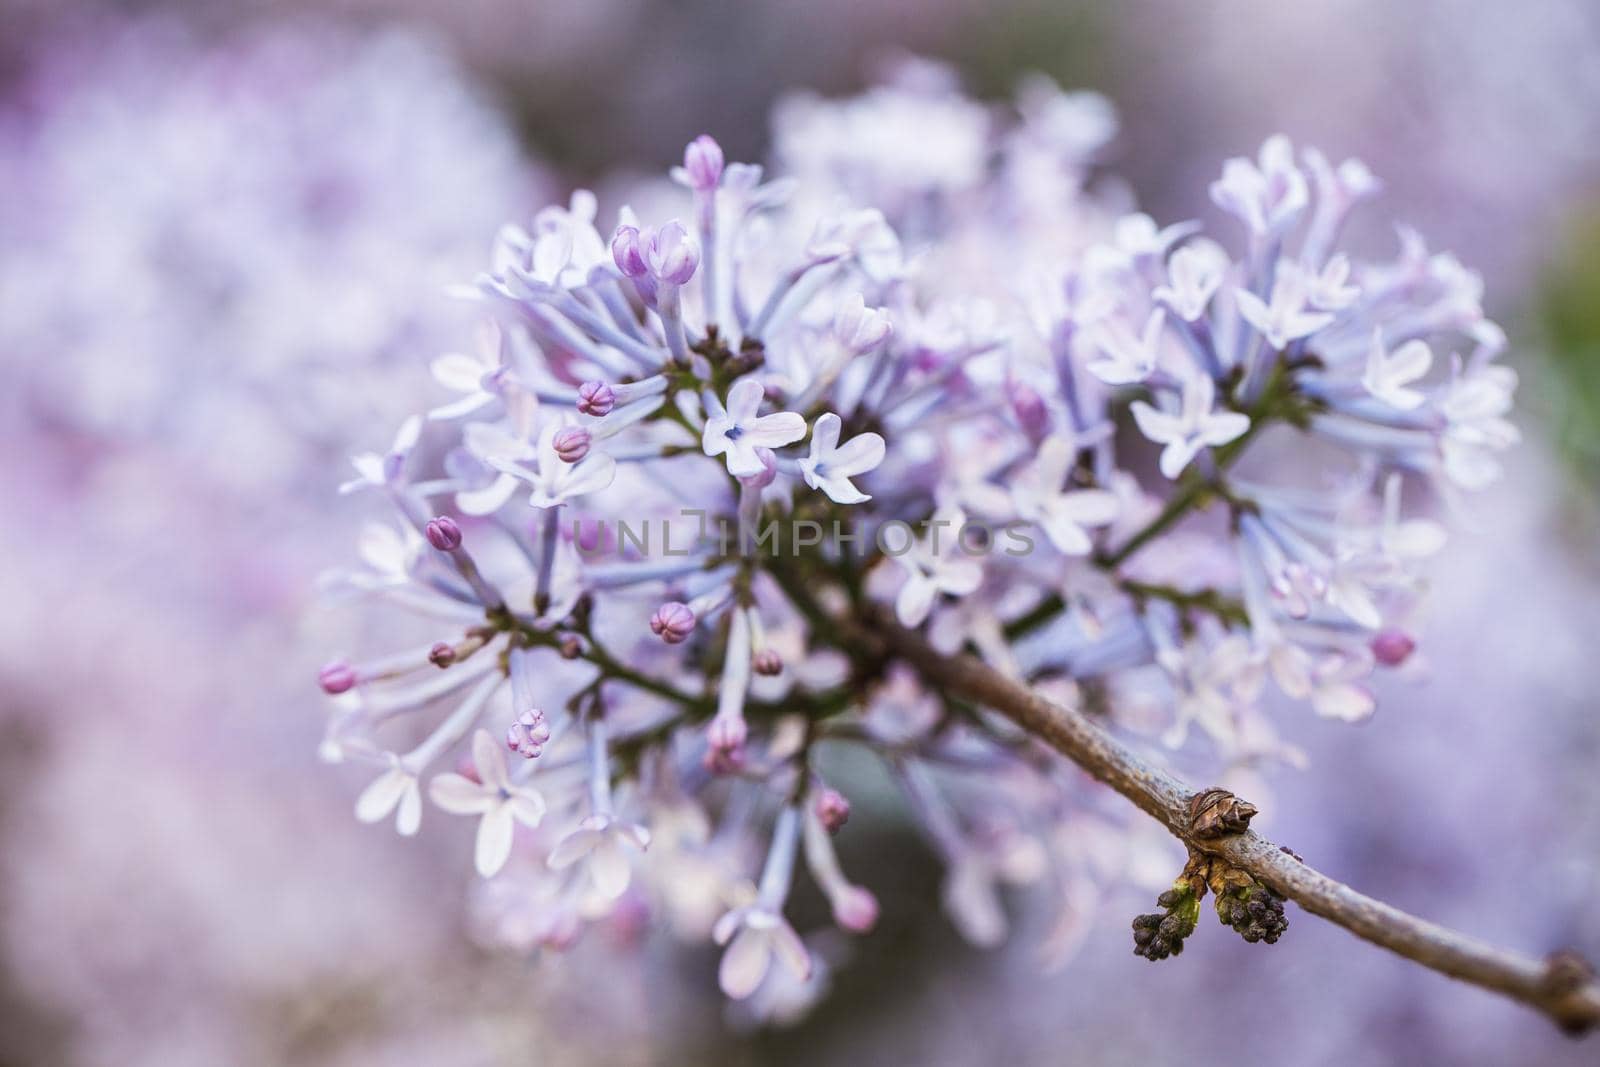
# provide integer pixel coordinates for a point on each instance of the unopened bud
(727, 733)
(337, 677)
(855, 909)
(571, 443)
(767, 662)
(1393, 647)
(833, 810)
(723, 761)
(570, 647)
(1030, 410)
(625, 252)
(670, 254)
(703, 162)
(1217, 813)
(673, 622)
(596, 398)
(442, 654)
(443, 533)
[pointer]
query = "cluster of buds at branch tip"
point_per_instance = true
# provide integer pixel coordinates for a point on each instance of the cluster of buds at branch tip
(1161, 934)
(1252, 909)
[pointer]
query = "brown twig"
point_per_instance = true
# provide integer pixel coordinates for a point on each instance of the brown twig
(1562, 986)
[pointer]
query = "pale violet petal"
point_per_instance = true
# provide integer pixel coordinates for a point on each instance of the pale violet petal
(744, 963)
(495, 833)
(459, 795)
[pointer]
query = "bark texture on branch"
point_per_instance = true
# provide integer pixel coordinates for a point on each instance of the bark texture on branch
(1562, 986)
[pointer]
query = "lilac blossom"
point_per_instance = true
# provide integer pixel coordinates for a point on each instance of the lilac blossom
(1037, 443)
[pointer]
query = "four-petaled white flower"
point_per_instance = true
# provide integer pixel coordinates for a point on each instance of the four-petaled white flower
(1124, 359)
(394, 790)
(478, 377)
(1267, 194)
(1332, 683)
(1339, 187)
(1196, 425)
(378, 470)
(1063, 514)
(858, 328)
(1474, 407)
(602, 842)
(1194, 274)
(1389, 374)
(555, 481)
(831, 465)
(1406, 540)
(1329, 290)
(1287, 316)
(1138, 237)
(564, 251)
(499, 802)
(756, 936)
(738, 431)
(935, 565)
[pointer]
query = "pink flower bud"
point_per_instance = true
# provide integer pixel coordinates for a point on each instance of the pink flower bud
(596, 398)
(723, 760)
(767, 662)
(1030, 410)
(443, 533)
(570, 647)
(625, 252)
(833, 810)
(855, 909)
(337, 677)
(442, 654)
(1393, 647)
(727, 733)
(702, 161)
(673, 622)
(572, 443)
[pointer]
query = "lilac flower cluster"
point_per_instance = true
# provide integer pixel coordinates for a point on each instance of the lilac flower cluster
(1207, 448)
